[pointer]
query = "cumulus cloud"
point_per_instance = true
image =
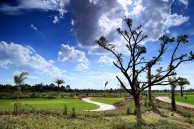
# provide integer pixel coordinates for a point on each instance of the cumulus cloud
(33, 27)
(102, 17)
(68, 53)
(25, 58)
(81, 67)
(106, 60)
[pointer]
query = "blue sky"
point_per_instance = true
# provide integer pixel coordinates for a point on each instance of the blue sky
(56, 38)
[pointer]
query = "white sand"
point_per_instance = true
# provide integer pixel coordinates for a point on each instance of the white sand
(103, 107)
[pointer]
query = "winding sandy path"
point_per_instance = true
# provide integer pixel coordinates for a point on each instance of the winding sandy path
(103, 106)
(167, 100)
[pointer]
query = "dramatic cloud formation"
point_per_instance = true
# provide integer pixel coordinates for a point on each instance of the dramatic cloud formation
(24, 58)
(102, 17)
(68, 53)
(93, 18)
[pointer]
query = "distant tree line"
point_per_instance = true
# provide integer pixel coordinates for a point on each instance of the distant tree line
(52, 87)
(35, 88)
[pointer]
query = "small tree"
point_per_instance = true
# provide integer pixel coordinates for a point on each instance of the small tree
(19, 81)
(59, 82)
(137, 64)
(68, 87)
(182, 82)
(65, 110)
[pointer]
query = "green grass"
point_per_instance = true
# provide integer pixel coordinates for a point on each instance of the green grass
(107, 100)
(49, 103)
(189, 100)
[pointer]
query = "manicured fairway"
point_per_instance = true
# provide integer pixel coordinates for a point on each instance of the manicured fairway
(189, 99)
(49, 103)
(107, 100)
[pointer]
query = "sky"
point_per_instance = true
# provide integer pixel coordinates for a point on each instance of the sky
(53, 39)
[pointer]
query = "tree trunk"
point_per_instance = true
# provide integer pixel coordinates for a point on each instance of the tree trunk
(173, 98)
(138, 108)
(149, 93)
(58, 90)
(149, 81)
(17, 101)
(181, 91)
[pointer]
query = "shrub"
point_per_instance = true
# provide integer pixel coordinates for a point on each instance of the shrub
(65, 110)
(73, 114)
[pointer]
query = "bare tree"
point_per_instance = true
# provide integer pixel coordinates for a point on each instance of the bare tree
(182, 82)
(137, 64)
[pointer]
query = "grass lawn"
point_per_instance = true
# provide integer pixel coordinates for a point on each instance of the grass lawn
(49, 103)
(189, 100)
(107, 100)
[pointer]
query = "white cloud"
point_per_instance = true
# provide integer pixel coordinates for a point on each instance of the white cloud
(68, 53)
(174, 20)
(81, 67)
(56, 20)
(51, 61)
(33, 27)
(24, 58)
(45, 5)
(104, 17)
(106, 60)
(33, 77)
(184, 2)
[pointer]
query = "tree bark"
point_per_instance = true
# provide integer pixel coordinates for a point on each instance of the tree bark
(16, 106)
(58, 89)
(149, 93)
(138, 108)
(181, 91)
(149, 81)
(173, 98)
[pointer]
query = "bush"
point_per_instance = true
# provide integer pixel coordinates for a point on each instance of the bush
(65, 110)
(73, 115)
(153, 106)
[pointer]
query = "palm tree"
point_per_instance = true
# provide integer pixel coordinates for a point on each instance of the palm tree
(183, 81)
(19, 81)
(59, 82)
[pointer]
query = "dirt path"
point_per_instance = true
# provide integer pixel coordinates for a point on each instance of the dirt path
(103, 106)
(167, 100)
